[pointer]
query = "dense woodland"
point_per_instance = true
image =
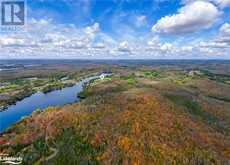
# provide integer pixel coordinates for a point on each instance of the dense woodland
(139, 115)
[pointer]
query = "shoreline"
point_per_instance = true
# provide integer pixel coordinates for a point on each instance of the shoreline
(27, 115)
(14, 102)
(21, 97)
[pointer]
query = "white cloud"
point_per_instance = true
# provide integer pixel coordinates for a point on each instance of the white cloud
(46, 40)
(43, 38)
(166, 47)
(222, 3)
(219, 3)
(225, 29)
(224, 35)
(218, 46)
(190, 18)
(124, 47)
(10, 41)
(92, 29)
(213, 45)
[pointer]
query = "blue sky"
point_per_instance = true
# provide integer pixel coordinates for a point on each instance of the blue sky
(117, 29)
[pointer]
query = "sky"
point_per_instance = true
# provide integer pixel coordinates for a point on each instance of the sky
(121, 29)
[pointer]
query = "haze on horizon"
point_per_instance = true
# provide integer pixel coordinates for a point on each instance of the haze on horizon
(122, 29)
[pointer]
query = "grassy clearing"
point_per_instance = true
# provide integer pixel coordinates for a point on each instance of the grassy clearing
(183, 80)
(130, 79)
(8, 87)
(55, 85)
(96, 81)
(152, 74)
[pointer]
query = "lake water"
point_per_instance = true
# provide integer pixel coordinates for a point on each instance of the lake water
(40, 100)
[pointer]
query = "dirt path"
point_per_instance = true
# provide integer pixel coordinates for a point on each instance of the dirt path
(55, 152)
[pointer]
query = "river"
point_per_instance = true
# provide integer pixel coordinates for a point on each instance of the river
(40, 100)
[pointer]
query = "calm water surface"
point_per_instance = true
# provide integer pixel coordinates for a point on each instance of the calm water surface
(40, 100)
